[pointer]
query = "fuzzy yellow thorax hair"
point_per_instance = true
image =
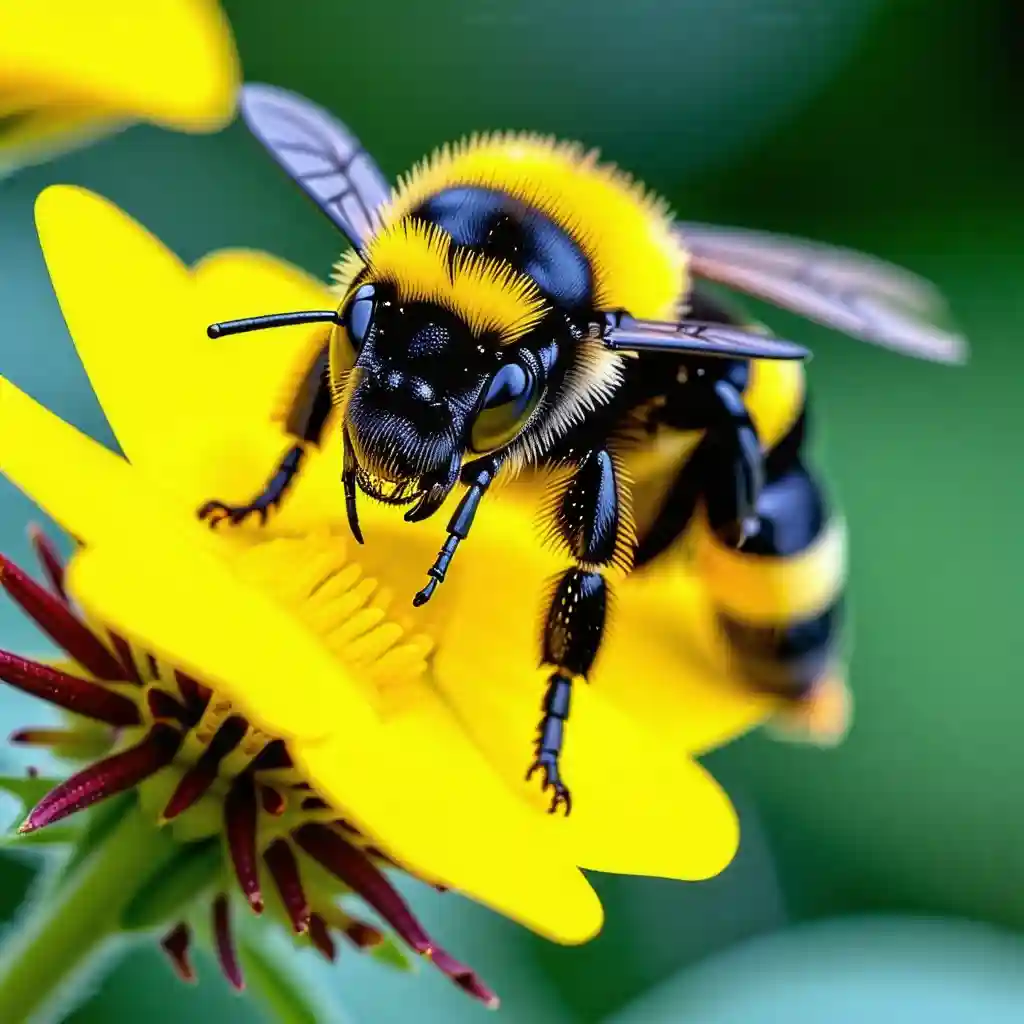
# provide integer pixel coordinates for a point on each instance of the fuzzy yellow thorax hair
(626, 233)
(490, 297)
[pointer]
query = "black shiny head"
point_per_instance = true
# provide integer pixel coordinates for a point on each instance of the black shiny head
(424, 395)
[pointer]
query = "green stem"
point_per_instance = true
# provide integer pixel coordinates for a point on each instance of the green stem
(66, 929)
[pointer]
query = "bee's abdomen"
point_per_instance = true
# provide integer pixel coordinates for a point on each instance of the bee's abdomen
(779, 598)
(491, 222)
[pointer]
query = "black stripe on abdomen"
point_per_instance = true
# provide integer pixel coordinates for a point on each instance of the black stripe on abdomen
(785, 660)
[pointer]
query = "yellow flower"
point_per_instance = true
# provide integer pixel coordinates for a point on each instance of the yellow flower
(71, 71)
(408, 724)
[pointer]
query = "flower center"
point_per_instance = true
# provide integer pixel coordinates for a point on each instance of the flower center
(198, 765)
(352, 614)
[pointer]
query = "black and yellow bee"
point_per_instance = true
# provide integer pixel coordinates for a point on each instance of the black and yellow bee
(515, 303)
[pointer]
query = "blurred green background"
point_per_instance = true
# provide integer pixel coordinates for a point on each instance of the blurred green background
(882, 879)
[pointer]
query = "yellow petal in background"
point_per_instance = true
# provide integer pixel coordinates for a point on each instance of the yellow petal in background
(30, 135)
(172, 62)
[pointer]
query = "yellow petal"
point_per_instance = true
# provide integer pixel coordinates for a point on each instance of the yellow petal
(671, 819)
(99, 499)
(127, 302)
(415, 785)
(155, 577)
(662, 661)
(170, 61)
(660, 689)
(661, 675)
(638, 807)
(32, 136)
(667, 665)
(493, 847)
(232, 284)
(195, 414)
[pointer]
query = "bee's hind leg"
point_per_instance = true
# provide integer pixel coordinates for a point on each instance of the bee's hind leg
(215, 512)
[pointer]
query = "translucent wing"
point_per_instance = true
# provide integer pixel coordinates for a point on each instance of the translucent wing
(697, 337)
(321, 155)
(848, 291)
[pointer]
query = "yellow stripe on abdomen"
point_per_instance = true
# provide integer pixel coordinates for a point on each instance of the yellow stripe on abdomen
(774, 397)
(766, 590)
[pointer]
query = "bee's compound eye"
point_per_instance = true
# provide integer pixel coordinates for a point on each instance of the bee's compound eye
(359, 314)
(511, 397)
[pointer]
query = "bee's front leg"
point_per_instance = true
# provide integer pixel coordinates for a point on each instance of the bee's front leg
(587, 518)
(215, 512)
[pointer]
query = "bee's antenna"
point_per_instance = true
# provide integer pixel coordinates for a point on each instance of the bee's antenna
(260, 323)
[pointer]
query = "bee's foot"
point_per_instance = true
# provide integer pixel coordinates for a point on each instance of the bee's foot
(560, 795)
(216, 512)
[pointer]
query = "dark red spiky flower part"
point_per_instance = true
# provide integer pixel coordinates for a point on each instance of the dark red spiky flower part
(154, 707)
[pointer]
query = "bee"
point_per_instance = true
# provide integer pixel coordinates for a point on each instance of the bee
(515, 303)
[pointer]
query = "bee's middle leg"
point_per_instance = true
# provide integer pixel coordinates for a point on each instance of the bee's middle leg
(587, 518)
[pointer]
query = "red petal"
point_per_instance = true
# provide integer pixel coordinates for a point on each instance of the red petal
(106, 778)
(272, 757)
(68, 692)
(195, 695)
(162, 705)
(203, 774)
(42, 737)
(225, 943)
(273, 802)
(240, 823)
(59, 623)
(321, 937)
(176, 944)
(49, 560)
(468, 980)
(353, 868)
(124, 656)
(349, 865)
(285, 871)
(363, 935)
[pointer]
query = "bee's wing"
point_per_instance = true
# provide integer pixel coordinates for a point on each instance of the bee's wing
(321, 155)
(848, 291)
(699, 338)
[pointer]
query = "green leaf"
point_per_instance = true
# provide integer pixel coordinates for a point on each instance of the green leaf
(44, 837)
(391, 954)
(847, 971)
(276, 981)
(29, 789)
(98, 821)
(169, 894)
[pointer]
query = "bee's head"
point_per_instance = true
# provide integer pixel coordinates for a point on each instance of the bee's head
(424, 395)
